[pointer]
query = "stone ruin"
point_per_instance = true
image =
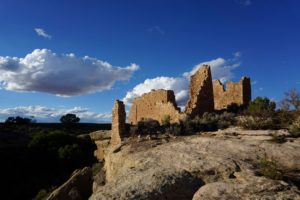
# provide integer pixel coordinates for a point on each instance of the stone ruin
(155, 105)
(118, 122)
(205, 96)
(235, 93)
(201, 93)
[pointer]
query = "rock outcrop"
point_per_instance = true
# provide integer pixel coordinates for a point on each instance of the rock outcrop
(102, 140)
(234, 93)
(155, 105)
(215, 165)
(118, 122)
(201, 93)
(78, 187)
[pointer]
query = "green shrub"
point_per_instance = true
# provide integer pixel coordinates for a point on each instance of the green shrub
(285, 118)
(269, 169)
(261, 107)
(295, 128)
(133, 131)
(255, 123)
(166, 120)
(70, 153)
(278, 139)
(235, 108)
(148, 126)
(209, 122)
(174, 129)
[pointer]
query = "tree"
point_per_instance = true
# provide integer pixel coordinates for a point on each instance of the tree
(291, 99)
(69, 119)
(262, 107)
(19, 120)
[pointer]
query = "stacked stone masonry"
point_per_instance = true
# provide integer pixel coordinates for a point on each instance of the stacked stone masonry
(201, 93)
(118, 122)
(155, 105)
(235, 93)
(205, 96)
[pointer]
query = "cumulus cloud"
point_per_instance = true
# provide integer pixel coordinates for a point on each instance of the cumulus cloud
(66, 75)
(179, 85)
(45, 114)
(221, 69)
(41, 32)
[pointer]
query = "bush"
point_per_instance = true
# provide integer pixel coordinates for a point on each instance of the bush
(295, 128)
(174, 129)
(269, 169)
(255, 123)
(261, 107)
(285, 118)
(62, 151)
(148, 126)
(235, 108)
(70, 153)
(166, 120)
(208, 122)
(278, 139)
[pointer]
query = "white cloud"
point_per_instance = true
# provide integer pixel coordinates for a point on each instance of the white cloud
(41, 32)
(221, 69)
(179, 85)
(245, 2)
(66, 75)
(45, 114)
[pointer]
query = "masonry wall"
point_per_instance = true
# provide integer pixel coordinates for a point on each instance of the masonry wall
(201, 93)
(155, 105)
(238, 93)
(118, 122)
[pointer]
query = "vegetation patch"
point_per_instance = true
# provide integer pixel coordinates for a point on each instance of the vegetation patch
(269, 168)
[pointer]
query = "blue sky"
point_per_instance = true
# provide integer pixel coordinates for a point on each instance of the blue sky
(127, 42)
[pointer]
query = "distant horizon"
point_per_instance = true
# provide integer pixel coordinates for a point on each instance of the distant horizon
(59, 57)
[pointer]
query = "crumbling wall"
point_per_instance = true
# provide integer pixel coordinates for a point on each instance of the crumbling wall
(201, 93)
(155, 105)
(118, 122)
(238, 93)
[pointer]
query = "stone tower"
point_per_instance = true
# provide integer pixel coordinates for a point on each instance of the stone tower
(201, 92)
(118, 122)
(234, 93)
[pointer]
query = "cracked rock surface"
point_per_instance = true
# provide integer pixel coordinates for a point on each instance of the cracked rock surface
(215, 165)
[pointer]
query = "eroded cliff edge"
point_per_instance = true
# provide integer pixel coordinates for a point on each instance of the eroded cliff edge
(223, 164)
